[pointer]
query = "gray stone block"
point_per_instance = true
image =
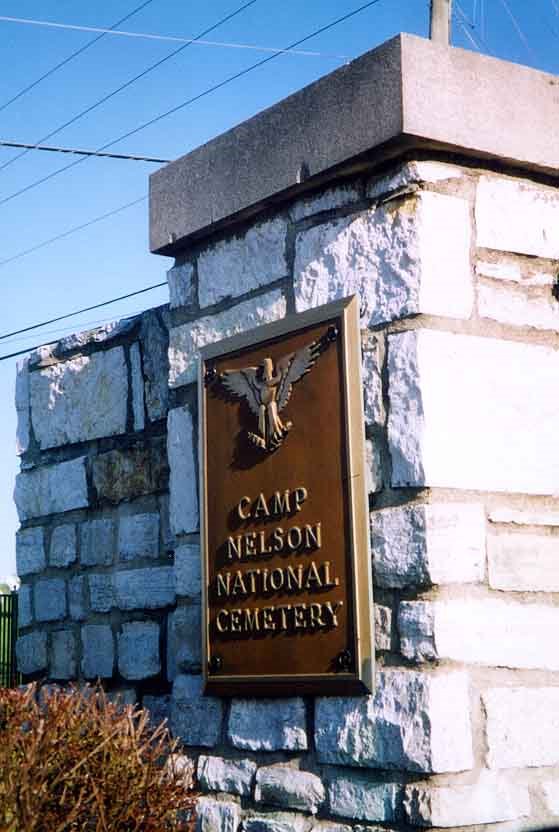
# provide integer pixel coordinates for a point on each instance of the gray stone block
(23, 432)
(195, 719)
(159, 708)
(138, 650)
(277, 822)
(188, 569)
(31, 652)
(183, 495)
(289, 787)
(181, 286)
(217, 815)
(76, 602)
(97, 542)
(51, 489)
(50, 599)
(63, 663)
(123, 475)
(184, 641)
(30, 551)
(216, 774)
(155, 339)
(63, 546)
(24, 610)
(101, 592)
(98, 654)
(355, 796)
(268, 724)
(138, 536)
(137, 387)
(145, 589)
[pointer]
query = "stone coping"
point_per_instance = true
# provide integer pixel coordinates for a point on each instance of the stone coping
(408, 93)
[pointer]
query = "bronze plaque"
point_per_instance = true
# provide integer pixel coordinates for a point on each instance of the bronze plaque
(287, 570)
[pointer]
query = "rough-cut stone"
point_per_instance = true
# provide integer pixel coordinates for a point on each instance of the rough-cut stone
(419, 545)
(373, 467)
(236, 266)
(23, 432)
(217, 774)
(101, 592)
(277, 822)
(288, 787)
(491, 632)
(414, 722)
(327, 826)
(338, 197)
(217, 815)
(50, 599)
(181, 286)
(80, 399)
(183, 501)
(159, 708)
(519, 216)
(63, 546)
(522, 727)
(524, 516)
(98, 655)
(30, 551)
(64, 655)
(441, 430)
(188, 578)
(196, 719)
(550, 793)
(76, 603)
(383, 627)
(51, 489)
(268, 724)
(515, 307)
(123, 475)
(24, 610)
(371, 366)
(31, 652)
(413, 173)
(402, 258)
(355, 796)
(137, 387)
(47, 355)
(155, 339)
(138, 650)
(450, 806)
(186, 340)
(184, 641)
(97, 542)
(525, 271)
(138, 536)
(145, 589)
(523, 562)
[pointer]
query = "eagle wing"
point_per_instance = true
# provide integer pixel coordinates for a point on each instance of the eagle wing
(292, 367)
(241, 384)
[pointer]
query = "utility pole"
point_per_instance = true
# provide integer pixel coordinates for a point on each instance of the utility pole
(441, 11)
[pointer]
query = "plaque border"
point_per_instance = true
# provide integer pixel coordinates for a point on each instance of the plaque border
(361, 680)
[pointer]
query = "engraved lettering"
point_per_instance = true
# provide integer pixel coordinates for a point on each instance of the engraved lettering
(222, 627)
(294, 577)
(294, 538)
(251, 574)
(332, 610)
(261, 508)
(234, 547)
(276, 579)
(235, 619)
(299, 497)
(252, 620)
(263, 549)
(299, 621)
(283, 613)
(267, 616)
(238, 587)
(315, 611)
(250, 544)
(313, 577)
(223, 583)
(313, 539)
(243, 502)
(280, 503)
(277, 537)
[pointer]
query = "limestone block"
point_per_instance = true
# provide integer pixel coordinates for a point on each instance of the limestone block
(97, 542)
(80, 399)
(138, 650)
(51, 489)
(373, 467)
(527, 272)
(524, 516)
(188, 578)
(420, 545)
(516, 215)
(138, 536)
(371, 367)
(123, 475)
(98, 656)
(413, 722)
(383, 627)
(413, 173)
(550, 792)
(450, 806)
(155, 340)
(101, 592)
(329, 200)
(186, 340)
(76, 603)
(63, 546)
(355, 796)
(522, 727)
(22, 400)
(441, 430)
(30, 551)
(64, 655)
(517, 308)
(137, 387)
(217, 815)
(216, 774)
(523, 562)
(145, 589)
(50, 599)
(401, 258)
(181, 286)
(268, 724)
(183, 493)
(238, 265)
(24, 609)
(184, 641)
(31, 652)
(481, 631)
(195, 719)
(288, 787)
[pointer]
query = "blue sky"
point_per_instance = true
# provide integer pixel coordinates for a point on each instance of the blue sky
(111, 258)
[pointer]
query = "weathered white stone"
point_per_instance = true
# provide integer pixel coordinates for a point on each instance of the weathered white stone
(138, 650)
(441, 429)
(145, 589)
(30, 551)
(496, 633)
(524, 516)
(76, 604)
(98, 652)
(550, 792)
(138, 536)
(371, 363)
(277, 822)
(373, 467)
(450, 806)
(268, 724)
(418, 545)
(50, 599)
(181, 286)
(31, 652)
(285, 786)
(44, 356)
(233, 267)
(327, 826)
(217, 815)
(383, 627)
(329, 200)
(515, 307)
(524, 562)
(137, 387)
(186, 340)
(401, 258)
(196, 719)
(63, 546)
(519, 216)
(64, 655)
(23, 432)
(188, 578)
(355, 796)
(412, 173)
(516, 270)
(522, 727)
(155, 340)
(413, 722)
(184, 641)
(183, 493)
(101, 592)
(97, 542)
(217, 774)
(80, 399)
(51, 489)
(24, 609)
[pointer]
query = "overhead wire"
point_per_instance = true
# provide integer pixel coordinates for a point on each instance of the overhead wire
(82, 152)
(468, 27)
(519, 30)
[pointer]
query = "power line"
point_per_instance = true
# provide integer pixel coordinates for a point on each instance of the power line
(192, 100)
(73, 55)
(519, 31)
(172, 38)
(81, 152)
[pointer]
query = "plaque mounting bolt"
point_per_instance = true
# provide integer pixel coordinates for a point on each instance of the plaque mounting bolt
(210, 375)
(344, 660)
(216, 664)
(332, 333)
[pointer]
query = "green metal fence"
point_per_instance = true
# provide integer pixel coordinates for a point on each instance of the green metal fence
(9, 676)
